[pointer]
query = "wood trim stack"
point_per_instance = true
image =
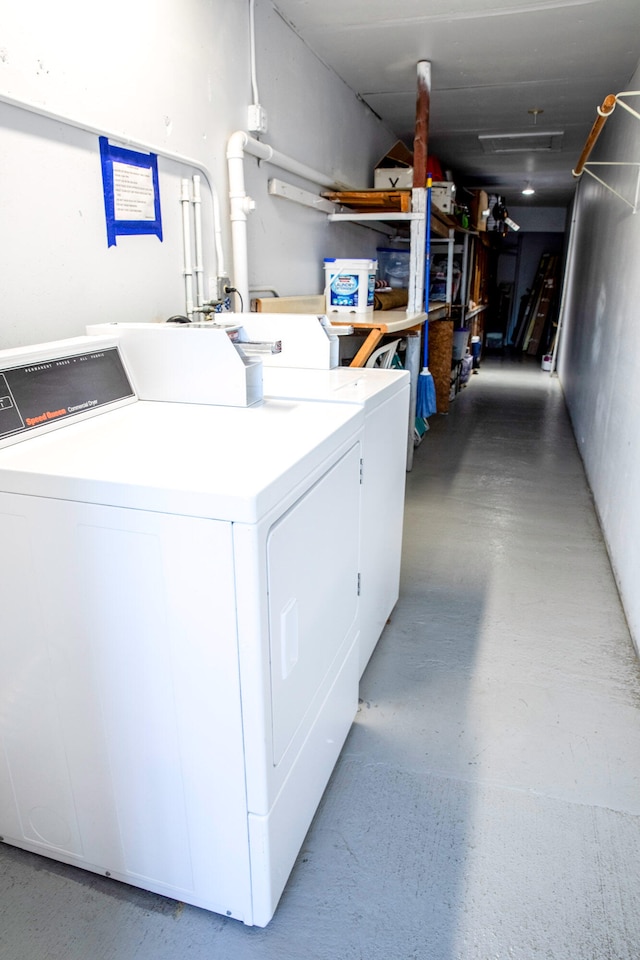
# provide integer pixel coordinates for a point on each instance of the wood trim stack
(373, 201)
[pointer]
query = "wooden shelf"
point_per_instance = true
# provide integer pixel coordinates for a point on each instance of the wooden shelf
(442, 223)
(373, 201)
(480, 308)
(388, 205)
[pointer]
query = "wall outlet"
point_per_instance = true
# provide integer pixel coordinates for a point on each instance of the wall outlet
(221, 288)
(256, 119)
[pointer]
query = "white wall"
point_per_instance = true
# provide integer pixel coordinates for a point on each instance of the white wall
(171, 76)
(598, 360)
(531, 246)
(539, 219)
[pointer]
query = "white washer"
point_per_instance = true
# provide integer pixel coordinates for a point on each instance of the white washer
(179, 645)
(301, 371)
(384, 396)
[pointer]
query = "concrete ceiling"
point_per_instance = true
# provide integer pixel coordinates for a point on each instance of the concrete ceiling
(492, 63)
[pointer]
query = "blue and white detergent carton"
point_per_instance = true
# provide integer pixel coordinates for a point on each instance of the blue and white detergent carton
(349, 285)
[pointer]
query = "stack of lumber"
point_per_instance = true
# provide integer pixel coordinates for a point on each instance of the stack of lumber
(535, 328)
(373, 201)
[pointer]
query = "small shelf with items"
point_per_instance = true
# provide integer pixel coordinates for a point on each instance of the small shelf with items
(371, 201)
(386, 205)
(463, 271)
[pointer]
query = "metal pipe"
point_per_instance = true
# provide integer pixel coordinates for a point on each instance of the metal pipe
(567, 279)
(625, 106)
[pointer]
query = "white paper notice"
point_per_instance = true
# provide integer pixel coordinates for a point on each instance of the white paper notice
(133, 194)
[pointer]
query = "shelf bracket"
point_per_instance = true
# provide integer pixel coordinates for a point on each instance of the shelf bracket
(588, 168)
(279, 188)
(584, 165)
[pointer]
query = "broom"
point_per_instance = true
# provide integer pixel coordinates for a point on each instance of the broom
(426, 399)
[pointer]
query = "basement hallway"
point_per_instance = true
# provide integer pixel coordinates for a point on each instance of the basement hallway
(486, 805)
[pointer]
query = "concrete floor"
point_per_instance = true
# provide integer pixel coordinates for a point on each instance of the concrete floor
(486, 805)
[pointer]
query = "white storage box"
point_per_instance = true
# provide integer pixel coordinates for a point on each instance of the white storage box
(443, 196)
(393, 178)
(394, 171)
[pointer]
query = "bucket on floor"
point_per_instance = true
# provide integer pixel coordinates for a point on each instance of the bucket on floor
(547, 360)
(476, 350)
(460, 341)
(349, 285)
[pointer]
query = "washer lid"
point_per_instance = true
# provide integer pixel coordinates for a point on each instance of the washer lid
(219, 462)
(338, 385)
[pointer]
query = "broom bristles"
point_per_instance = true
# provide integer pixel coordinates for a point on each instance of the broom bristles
(426, 397)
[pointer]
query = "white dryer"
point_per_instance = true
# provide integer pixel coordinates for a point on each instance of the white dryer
(384, 397)
(180, 615)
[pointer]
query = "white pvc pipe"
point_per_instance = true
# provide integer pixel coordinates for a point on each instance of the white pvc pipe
(239, 144)
(137, 145)
(567, 281)
(197, 218)
(185, 200)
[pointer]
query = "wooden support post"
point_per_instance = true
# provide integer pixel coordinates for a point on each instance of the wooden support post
(418, 198)
(421, 136)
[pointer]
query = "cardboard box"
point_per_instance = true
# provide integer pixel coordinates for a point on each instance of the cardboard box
(479, 211)
(394, 171)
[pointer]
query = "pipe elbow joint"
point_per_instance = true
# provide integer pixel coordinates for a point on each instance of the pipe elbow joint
(236, 144)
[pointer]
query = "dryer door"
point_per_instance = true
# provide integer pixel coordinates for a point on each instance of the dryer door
(313, 563)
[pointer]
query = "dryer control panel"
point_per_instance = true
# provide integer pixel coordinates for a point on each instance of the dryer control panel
(39, 390)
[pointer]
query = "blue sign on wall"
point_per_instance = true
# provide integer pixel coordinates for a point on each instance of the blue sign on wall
(131, 192)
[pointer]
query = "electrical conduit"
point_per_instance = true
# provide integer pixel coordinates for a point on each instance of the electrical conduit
(41, 111)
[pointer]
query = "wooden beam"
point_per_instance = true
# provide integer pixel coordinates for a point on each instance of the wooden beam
(371, 341)
(421, 136)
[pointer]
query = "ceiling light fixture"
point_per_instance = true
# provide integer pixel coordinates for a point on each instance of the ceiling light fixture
(528, 190)
(533, 140)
